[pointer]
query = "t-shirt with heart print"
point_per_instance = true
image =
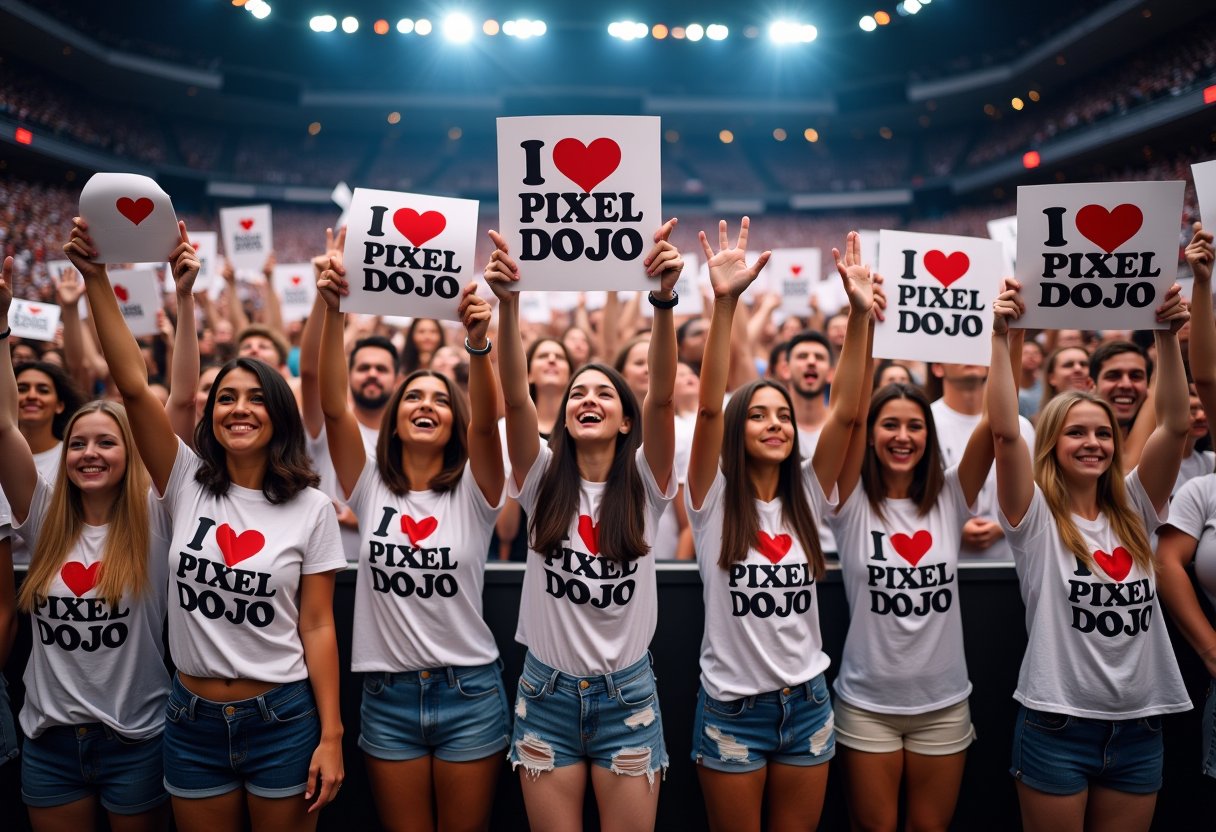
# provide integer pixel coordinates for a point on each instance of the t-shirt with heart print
(1097, 644)
(421, 570)
(1193, 512)
(90, 661)
(234, 575)
(904, 650)
(580, 613)
(761, 613)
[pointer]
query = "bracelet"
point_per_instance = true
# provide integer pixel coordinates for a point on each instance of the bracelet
(6, 333)
(664, 304)
(483, 351)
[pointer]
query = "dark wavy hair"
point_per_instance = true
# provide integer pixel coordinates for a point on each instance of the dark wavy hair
(741, 522)
(389, 447)
(411, 358)
(531, 353)
(622, 520)
(66, 391)
(288, 468)
(929, 476)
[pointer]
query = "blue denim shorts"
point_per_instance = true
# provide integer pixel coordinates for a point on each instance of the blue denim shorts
(67, 763)
(1209, 731)
(455, 713)
(792, 726)
(264, 744)
(612, 721)
(1060, 754)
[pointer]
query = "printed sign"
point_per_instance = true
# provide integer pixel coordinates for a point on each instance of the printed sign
(1205, 189)
(341, 196)
(139, 299)
(1005, 232)
(534, 307)
(130, 218)
(579, 199)
(409, 254)
(794, 273)
(207, 247)
(33, 319)
(248, 238)
(939, 291)
(1097, 256)
(297, 289)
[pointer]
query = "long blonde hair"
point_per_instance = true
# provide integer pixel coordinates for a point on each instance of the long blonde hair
(1126, 523)
(125, 555)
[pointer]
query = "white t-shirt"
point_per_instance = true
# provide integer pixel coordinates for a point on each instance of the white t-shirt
(808, 441)
(89, 661)
(1196, 464)
(234, 575)
(667, 536)
(762, 613)
(323, 464)
(1193, 512)
(954, 431)
(580, 613)
(1098, 646)
(418, 597)
(47, 464)
(904, 650)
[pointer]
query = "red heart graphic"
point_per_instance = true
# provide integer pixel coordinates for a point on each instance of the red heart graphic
(418, 530)
(419, 228)
(796, 270)
(589, 531)
(238, 547)
(913, 548)
(295, 281)
(34, 310)
(135, 210)
(1117, 564)
(773, 547)
(79, 578)
(1109, 229)
(246, 224)
(196, 245)
(121, 292)
(947, 268)
(587, 165)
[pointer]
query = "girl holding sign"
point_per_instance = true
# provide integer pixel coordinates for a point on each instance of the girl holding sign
(902, 715)
(252, 560)
(434, 713)
(764, 719)
(587, 694)
(96, 683)
(1099, 670)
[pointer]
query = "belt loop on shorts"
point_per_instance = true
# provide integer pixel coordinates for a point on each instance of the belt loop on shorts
(387, 679)
(108, 731)
(451, 671)
(262, 709)
(751, 701)
(609, 686)
(808, 689)
(551, 685)
(191, 706)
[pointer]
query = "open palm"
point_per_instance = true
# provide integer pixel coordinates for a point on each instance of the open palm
(729, 273)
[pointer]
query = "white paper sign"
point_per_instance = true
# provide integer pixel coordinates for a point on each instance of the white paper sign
(296, 287)
(534, 307)
(139, 298)
(793, 273)
(207, 247)
(1097, 256)
(248, 236)
(940, 290)
(580, 199)
(1005, 232)
(1205, 189)
(33, 319)
(869, 247)
(688, 289)
(409, 254)
(130, 218)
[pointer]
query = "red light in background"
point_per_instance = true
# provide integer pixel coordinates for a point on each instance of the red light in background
(1209, 95)
(381, 27)
(1031, 159)
(23, 136)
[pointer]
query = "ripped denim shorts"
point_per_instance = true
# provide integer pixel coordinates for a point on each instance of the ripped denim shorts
(612, 721)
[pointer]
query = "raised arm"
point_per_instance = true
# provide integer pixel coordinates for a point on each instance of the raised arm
(659, 408)
(484, 443)
(272, 309)
(1014, 472)
(153, 434)
(1162, 454)
(236, 312)
(69, 289)
(523, 432)
(729, 275)
(850, 377)
(341, 427)
(310, 341)
(18, 475)
(1199, 256)
(1175, 552)
(184, 366)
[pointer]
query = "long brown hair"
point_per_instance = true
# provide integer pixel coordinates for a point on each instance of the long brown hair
(741, 521)
(622, 520)
(389, 447)
(1125, 522)
(124, 572)
(929, 475)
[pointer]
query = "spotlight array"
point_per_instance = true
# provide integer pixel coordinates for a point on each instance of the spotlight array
(632, 30)
(258, 8)
(904, 8)
(785, 32)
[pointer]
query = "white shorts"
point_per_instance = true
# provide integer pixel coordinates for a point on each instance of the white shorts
(935, 734)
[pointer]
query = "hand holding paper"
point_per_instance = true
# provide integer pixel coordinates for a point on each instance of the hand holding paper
(1008, 306)
(501, 272)
(79, 249)
(333, 286)
(475, 315)
(1199, 256)
(1173, 309)
(184, 264)
(664, 261)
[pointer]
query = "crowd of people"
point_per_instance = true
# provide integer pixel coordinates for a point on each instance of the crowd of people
(217, 477)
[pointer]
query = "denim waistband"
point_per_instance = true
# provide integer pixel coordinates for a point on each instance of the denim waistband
(606, 683)
(431, 675)
(804, 690)
(83, 730)
(197, 706)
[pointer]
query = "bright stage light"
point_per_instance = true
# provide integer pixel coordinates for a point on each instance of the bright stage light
(716, 31)
(868, 23)
(323, 23)
(423, 27)
(458, 28)
(350, 25)
(785, 31)
(405, 25)
(524, 28)
(694, 31)
(628, 29)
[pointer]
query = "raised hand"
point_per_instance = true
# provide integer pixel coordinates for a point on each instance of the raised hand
(228, 273)
(268, 268)
(1199, 255)
(184, 263)
(333, 245)
(859, 283)
(501, 272)
(474, 313)
(1007, 307)
(1174, 309)
(6, 289)
(69, 288)
(664, 259)
(331, 284)
(80, 250)
(729, 274)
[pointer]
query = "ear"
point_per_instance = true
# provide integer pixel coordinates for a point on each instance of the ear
(626, 425)
(938, 370)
